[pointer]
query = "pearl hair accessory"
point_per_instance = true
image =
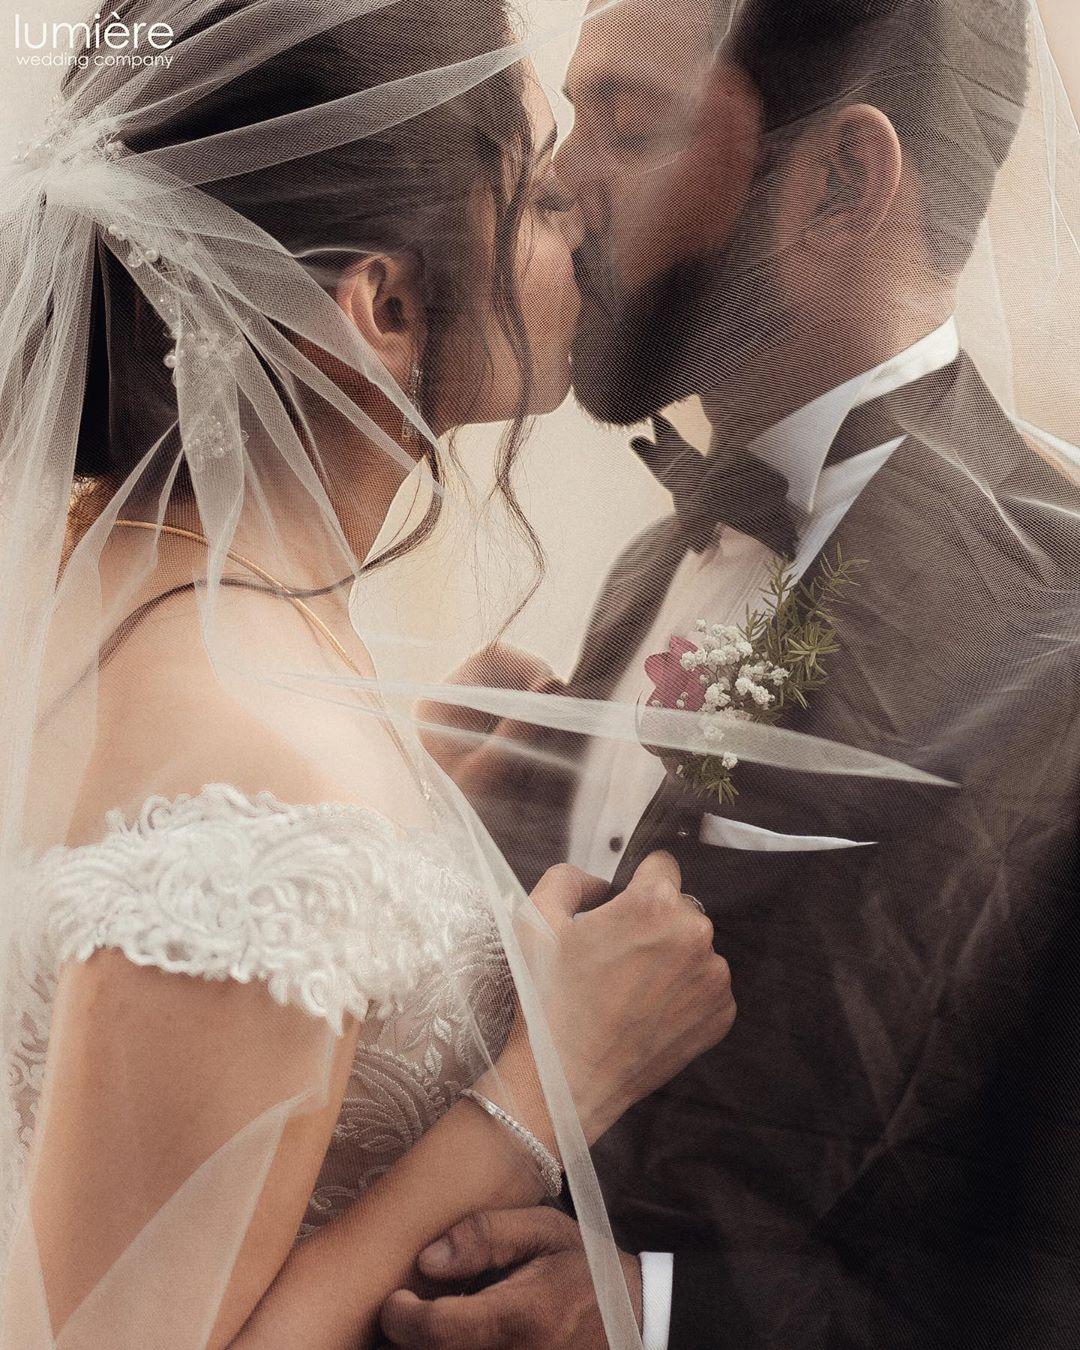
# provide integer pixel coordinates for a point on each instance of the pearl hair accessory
(138, 252)
(203, 351)
(207, 353)
(149, 249)
(69, 142)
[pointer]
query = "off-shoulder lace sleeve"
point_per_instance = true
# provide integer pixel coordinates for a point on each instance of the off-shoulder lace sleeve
(335, 909)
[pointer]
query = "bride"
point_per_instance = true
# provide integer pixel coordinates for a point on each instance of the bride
(274, 1013)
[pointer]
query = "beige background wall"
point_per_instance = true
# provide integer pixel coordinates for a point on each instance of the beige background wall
(1062, 20)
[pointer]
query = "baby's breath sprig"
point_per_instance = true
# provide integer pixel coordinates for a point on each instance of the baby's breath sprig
(754, 672)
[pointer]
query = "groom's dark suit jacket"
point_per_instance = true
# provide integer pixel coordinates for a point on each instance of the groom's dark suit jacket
(885, 1152)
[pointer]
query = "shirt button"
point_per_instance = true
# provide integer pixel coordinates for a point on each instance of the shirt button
(616, 842)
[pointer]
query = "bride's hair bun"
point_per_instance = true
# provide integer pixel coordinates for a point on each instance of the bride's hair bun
(410, 189)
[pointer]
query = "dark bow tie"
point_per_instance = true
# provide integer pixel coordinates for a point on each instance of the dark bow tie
(720, 488)
(736, 488)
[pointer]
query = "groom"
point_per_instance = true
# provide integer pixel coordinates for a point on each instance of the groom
(885, 1152)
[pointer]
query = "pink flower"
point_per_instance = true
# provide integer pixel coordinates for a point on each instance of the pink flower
(672, 682)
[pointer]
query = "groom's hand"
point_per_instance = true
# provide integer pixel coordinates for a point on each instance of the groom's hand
(545, 1298)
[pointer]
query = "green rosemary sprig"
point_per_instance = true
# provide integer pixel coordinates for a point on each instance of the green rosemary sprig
(792, 636)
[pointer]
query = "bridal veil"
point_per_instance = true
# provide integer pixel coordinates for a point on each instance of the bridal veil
(154, 325)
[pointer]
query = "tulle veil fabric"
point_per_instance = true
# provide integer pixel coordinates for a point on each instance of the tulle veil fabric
(234, 316)
(239, 317)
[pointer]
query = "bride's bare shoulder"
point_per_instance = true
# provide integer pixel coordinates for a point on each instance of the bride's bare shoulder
(243, 697)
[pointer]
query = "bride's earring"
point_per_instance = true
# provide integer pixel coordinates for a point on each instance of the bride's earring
(410, 434)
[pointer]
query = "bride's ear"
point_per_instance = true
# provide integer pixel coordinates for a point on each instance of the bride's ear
(380, 297)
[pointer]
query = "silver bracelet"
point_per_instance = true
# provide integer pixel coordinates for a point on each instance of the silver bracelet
(546, 1162)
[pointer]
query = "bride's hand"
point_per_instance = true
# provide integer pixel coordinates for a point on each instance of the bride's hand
(477, 750)
(635, 989)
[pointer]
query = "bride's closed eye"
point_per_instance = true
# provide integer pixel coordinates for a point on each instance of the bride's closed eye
(551, 196)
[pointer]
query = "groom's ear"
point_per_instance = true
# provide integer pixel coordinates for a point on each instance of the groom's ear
(851, 172)
(380, 297)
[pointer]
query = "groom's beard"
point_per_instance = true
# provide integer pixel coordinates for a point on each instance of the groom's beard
(692, 330)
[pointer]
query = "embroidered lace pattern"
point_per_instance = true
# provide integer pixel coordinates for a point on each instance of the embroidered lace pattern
(332, 906)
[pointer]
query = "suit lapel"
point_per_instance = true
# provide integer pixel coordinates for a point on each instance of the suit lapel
(945, 416)
(627, 607)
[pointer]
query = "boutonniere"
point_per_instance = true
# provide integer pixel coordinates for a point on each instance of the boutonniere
(753, 672)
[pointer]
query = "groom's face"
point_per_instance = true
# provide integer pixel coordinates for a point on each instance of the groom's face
(663, 158)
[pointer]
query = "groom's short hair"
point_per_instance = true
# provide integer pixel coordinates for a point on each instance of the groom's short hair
(951, 75)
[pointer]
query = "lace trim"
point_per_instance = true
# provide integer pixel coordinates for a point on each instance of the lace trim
(332, 906)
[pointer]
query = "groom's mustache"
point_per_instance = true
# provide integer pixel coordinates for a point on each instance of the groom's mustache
(689, 329)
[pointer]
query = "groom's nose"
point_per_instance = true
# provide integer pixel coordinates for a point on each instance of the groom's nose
(577, 176)
(566, 164)
(574, 226)
(578, 168)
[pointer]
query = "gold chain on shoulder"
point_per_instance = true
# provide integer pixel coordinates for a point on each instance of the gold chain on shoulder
(253, 567)
(306, 610)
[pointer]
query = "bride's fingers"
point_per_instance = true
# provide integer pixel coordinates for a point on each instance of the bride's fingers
(497, 667)
(651, 892)
(659, 871)
(477, 750)
(495, 1239)
(563, 890)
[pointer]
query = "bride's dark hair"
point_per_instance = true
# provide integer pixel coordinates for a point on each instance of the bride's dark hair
(412, 189)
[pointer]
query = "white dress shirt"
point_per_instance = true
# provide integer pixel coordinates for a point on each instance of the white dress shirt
(619, 779)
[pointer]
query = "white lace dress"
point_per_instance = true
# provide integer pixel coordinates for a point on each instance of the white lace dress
(337, 910)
